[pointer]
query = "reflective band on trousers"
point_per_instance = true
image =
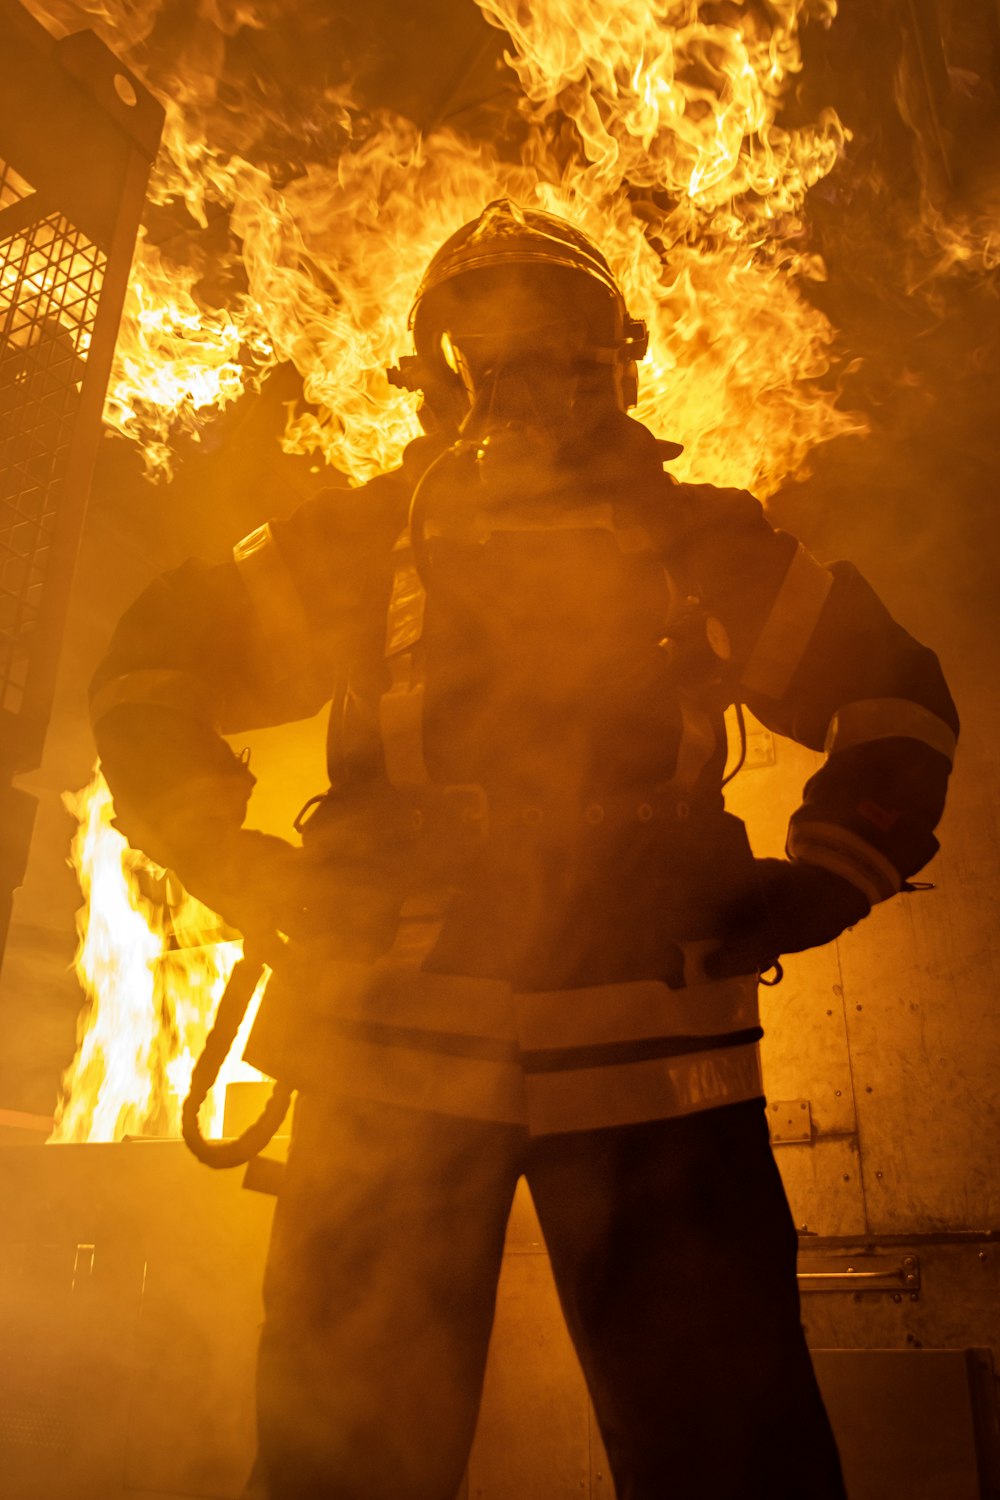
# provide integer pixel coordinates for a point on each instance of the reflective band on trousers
(552, 1062)
(181, 691)
(789, 627)
(844, 853)
(870, 719)
(277, 602)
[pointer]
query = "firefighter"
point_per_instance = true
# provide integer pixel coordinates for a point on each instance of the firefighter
(522, 936)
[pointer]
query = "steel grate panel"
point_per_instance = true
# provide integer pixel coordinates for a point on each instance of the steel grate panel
(78, 132)
(51, 276)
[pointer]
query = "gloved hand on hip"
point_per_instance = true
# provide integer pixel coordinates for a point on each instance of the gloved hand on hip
(258, 883)
(791, 906)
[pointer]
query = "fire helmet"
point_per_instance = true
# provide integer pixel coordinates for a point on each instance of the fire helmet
(518, 283)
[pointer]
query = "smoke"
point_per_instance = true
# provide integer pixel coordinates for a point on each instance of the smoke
(269, 182)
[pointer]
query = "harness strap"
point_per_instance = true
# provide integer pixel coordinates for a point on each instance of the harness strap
(401, 707)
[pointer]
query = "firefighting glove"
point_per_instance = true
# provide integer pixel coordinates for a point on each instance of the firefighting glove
(791, 906)
(256, 882)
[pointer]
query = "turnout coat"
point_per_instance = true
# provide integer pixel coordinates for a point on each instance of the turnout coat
(524, 855)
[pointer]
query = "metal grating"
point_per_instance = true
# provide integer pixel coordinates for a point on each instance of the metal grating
(51, 275)
(77, 134)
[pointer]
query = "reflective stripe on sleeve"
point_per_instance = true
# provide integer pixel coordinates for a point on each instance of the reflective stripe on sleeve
(888, 718)
(181, 691)
(788, 629)
(277, 602)
(844, 853)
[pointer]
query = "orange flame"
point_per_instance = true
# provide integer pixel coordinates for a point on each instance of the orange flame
(665, 99)
(176, 360)
(664, 102)
(154, 972)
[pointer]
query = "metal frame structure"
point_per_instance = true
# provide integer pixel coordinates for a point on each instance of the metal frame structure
(78, 132)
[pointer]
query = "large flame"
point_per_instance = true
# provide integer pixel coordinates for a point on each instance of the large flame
(654, 127)
(676, 163)
(154, 965)
(177, 360)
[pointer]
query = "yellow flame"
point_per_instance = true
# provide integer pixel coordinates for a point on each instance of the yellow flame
(154, 971)
(679, 170)
(176, 359)
(736, 352)
(665, 98)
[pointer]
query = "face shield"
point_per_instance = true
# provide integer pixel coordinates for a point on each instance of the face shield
(526, 355)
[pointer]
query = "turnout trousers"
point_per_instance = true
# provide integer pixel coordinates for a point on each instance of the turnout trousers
(673, 1251)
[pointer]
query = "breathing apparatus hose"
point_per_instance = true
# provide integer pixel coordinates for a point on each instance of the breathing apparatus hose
(239, 991)
(419, 503)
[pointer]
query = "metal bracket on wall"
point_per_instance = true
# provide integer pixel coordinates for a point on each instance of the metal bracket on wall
(760, 748)
(837, 1271)
(790, 1122)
